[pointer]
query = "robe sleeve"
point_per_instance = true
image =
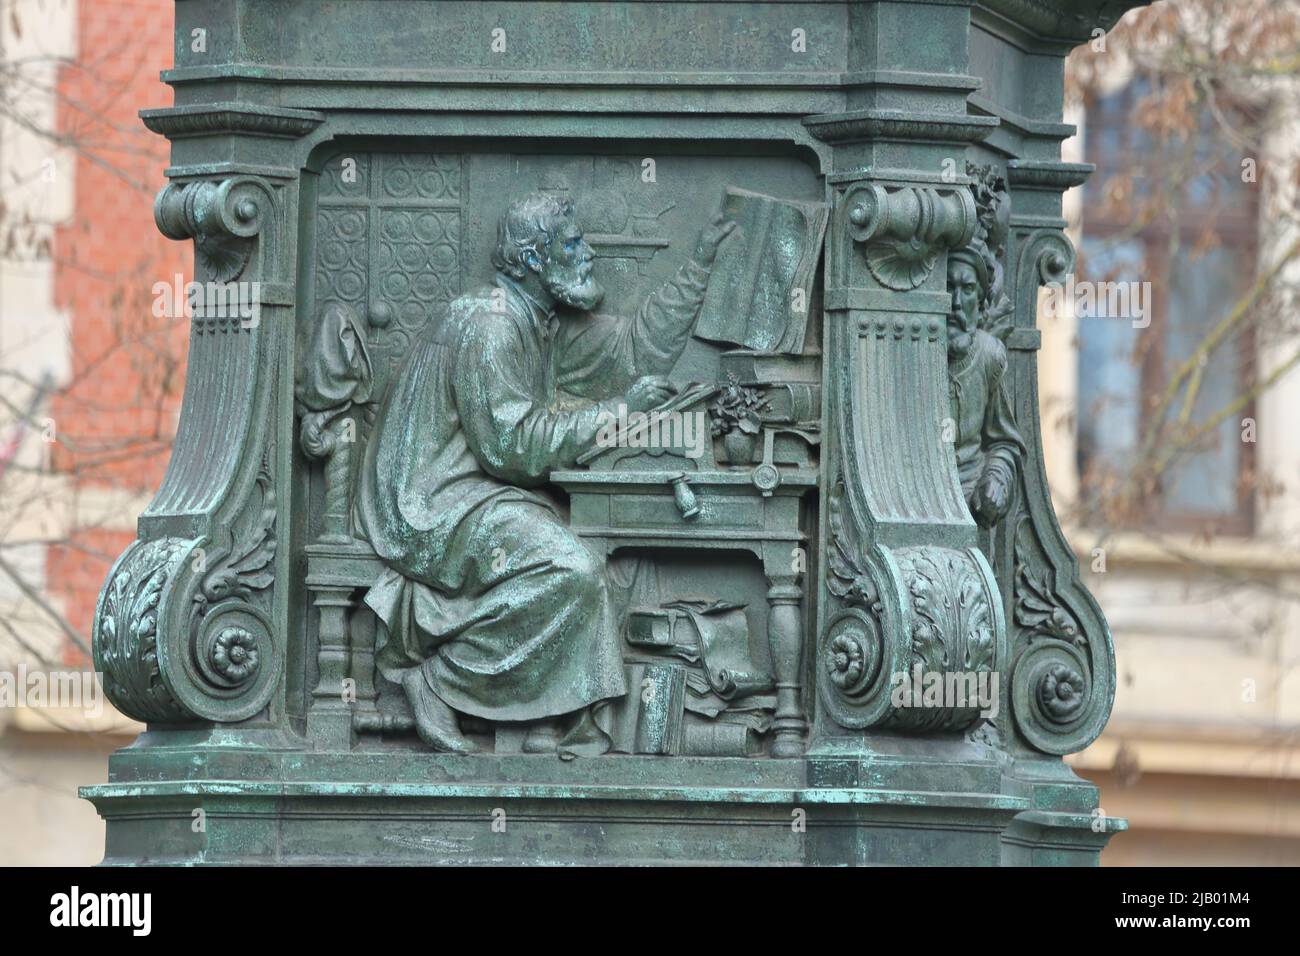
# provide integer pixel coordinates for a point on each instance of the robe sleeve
(1000, 441)
(604, 354)
(498, 388)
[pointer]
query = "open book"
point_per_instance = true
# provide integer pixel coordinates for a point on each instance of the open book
(760, 290)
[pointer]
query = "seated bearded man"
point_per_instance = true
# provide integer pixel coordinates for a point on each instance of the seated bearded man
(492, 606)
(989, 447)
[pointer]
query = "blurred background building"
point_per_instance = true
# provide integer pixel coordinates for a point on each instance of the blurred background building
(1173, 459)
(90, 379)
(1172, 453)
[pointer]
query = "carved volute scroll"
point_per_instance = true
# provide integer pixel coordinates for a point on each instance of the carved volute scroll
(906, 583)
(126, 631)
(907, 589)
(903, 229)
(183, 630)
(1063, 676)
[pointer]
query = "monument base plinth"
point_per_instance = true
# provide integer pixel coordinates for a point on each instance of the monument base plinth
(196, 799)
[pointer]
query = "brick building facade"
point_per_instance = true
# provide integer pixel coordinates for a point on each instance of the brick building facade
(116, 416)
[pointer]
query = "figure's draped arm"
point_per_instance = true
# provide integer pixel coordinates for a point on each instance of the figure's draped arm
(498, 391)
(1002, 441)
(602, 355)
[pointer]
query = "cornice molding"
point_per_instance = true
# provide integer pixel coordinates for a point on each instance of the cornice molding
(871, 124)
(1062, 21)
(210, 119)
(1045, 174)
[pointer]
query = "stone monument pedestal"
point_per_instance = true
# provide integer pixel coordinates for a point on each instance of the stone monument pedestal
(900, 806)
(411, 535)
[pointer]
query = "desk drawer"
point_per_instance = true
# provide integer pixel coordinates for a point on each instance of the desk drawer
(660, 511)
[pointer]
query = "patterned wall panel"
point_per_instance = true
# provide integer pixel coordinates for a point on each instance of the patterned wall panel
(389, 244)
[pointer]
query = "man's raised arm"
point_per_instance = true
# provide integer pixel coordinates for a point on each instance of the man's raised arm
(608, 353)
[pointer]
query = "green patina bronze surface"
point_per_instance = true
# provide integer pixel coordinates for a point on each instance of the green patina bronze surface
(633, 455)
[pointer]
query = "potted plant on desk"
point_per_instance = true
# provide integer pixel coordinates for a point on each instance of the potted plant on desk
(735, 416)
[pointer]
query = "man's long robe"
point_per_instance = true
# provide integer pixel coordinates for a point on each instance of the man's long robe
(487, 590)
(987, 436)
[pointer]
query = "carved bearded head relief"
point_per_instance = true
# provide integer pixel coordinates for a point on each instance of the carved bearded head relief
(975, 277)
(540, 244)
(967, 288)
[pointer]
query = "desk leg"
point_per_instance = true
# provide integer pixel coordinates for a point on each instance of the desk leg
(785, 637)
(329, 719)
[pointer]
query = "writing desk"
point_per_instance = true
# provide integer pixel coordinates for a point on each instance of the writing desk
(759, 510)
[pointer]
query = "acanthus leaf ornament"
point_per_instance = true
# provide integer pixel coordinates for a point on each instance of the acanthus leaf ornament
(248, 566)
(953, 631)
(848, 578)
(127, 631)
(231, 662)
(1038, 609)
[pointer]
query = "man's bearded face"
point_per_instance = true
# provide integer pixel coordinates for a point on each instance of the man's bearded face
(567, 272)
(963, 312)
